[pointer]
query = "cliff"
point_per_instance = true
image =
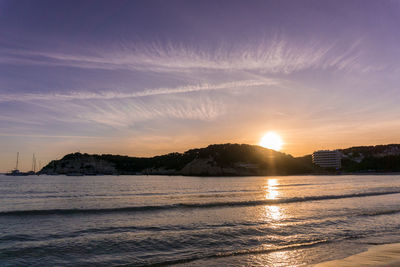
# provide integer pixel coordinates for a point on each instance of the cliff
(226, 159)
(214, 160)
(75, 164)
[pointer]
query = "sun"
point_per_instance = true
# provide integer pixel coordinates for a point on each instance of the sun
(271, 140)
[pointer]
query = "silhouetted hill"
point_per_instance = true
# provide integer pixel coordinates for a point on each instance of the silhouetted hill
(227, 159)
(380, 158)
(224, 159)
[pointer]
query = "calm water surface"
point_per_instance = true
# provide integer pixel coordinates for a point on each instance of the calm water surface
(194, 221)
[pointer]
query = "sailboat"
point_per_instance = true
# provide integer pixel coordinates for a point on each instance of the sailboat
(16, 172)
(33, 171)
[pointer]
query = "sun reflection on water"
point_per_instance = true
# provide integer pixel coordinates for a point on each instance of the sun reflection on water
(271, 191)
(273, 212)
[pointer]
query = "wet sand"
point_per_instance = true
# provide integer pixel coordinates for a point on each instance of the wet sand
(382, 255)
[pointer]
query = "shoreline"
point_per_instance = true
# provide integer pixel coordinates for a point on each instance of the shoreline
(228, 175)
(387, 255)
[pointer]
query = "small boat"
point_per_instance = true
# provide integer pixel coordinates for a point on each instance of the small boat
(16, 172)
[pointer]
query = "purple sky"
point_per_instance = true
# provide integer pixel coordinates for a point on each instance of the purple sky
(149, 77)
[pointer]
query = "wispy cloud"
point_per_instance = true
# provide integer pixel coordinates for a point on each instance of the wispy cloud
(111, 114)
(50, 136)
(116, 111)
(112, 94)
(273, 56)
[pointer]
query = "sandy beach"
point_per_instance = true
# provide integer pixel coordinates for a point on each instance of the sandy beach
(382, 255)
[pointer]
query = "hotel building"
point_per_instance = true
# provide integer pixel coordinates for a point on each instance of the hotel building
(327, 158)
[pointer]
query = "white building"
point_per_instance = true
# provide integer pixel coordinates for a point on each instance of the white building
(327, 158)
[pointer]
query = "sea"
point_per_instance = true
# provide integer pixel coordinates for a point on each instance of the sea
(194, 221)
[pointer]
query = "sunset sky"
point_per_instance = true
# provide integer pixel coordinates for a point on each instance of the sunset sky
(142, 78)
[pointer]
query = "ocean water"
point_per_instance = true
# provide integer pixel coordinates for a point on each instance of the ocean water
(194, 221)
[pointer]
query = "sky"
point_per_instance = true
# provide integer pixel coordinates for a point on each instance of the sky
(142, 78)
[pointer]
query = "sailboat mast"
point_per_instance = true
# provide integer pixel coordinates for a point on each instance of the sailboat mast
(16, 165)
(33, 163)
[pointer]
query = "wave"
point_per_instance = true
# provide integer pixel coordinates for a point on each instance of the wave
(381, 212)
(292, 185)
(236, 253)
(191, 205)
(29, 195)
